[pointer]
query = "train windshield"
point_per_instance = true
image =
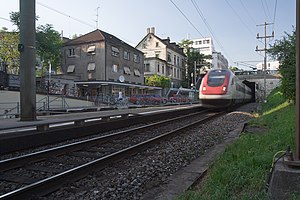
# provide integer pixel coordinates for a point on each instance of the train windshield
(216, 78)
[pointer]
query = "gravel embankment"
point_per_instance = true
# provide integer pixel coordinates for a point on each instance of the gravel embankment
(132, 177)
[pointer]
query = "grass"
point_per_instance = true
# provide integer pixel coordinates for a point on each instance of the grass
(241, 171)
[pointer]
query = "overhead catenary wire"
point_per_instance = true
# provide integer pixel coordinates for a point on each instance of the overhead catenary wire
(66, 15)
(274, 16)
(4, 19)
(248, 13)
(200, 13)
(247, 27)
(186, 18)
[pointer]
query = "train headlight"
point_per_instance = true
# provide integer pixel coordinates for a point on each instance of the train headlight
(224, 88)
(203, 88)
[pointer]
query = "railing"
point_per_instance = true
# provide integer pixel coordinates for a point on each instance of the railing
(9, 110)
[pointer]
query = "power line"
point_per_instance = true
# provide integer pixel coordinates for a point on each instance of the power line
(209, 27)
(275, 9)
(268, 10)
(4, 19)
(251, 32)
(66, 15)
(245, 8)
(186, 18)
(265, 10)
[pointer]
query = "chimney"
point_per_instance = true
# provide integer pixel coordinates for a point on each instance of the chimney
(148, 30)
(153, 30)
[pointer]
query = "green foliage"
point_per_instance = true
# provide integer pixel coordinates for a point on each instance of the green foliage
(284, 51)
(15, 18)
(240, 173)
(233, 68)
(48, 45)
(158, 81)
(192, 57)
(9, 51)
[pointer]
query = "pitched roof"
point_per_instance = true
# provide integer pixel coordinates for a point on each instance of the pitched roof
(173, 46)
(87, 38)
(97, 36)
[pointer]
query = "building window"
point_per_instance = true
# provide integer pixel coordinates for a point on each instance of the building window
(115, 68)
(91, 50)
(175, 60)
(91, 67)
(156, 44)
(157, 55)
(71, 52)
(163, 69)
(158, 70)
(169, 57)
(126, 55)
(115, 51)
(71, 69)
(147, 67)
(127, 70)
(137, 72)
(136, 58)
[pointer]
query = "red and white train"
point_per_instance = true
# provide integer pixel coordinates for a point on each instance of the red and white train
(221, 88)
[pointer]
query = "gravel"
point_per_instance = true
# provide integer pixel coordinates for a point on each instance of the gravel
(133, 177)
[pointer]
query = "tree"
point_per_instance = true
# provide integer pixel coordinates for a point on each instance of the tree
(9, 54)
(158, 81)
(49, 44)
(233, 68)
(284, 51)
(192, 57)
(15, 19)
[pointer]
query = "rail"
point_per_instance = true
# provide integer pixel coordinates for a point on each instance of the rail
(52, 183)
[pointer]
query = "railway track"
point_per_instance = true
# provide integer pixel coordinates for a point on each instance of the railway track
(42, 172)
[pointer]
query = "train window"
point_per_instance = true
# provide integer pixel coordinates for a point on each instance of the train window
(216, 78)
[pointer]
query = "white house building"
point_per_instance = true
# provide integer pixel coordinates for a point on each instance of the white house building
(205, 46)
(162, 57)
(271, 68)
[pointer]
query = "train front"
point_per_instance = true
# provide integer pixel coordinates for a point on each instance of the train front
(215, 89)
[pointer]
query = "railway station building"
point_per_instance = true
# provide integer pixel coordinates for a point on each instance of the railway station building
(105, 65)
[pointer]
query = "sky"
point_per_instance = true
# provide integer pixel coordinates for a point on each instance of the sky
(233, 24)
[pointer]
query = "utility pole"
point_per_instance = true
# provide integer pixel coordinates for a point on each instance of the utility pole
(265, 51)
(297, 80)
(27, 60)
(195, 71)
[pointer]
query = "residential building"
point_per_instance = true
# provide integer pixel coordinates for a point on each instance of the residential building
(271, 68)
(205, 46)
(162, 57)
(106, 65)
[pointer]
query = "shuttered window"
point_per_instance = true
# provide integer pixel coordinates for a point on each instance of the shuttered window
(71, 68)
(91, 67)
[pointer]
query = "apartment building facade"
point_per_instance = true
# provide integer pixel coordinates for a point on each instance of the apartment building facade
(162, 57)
(205, 46)
(105, 64)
